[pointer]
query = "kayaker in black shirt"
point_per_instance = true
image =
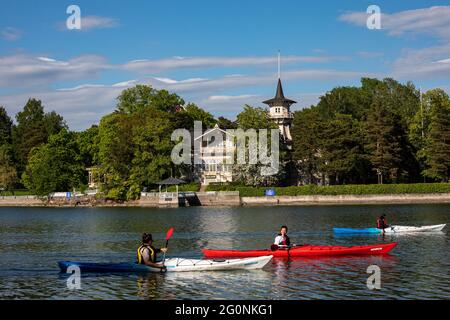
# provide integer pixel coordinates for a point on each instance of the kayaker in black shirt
(382, 222)
(146, 253)
(282, 239)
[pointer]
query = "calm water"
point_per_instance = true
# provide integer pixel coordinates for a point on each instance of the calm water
(32, 240)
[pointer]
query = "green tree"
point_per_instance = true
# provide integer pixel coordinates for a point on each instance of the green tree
(6, 126)
(8, 174)
(55, 166)
(115, 153)
(437, 149)
(197, 114)
(254, 118)
(33, 129)
(307, 146)
(152, 148)
(225, 123)
(142, 96)
(344, 160)
(88, 141)
(343, 100)
(134, 150)
(383, 140)
(257, 118)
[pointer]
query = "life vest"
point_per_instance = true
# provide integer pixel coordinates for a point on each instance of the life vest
(381, 223)
(285, 241)
(140, 260)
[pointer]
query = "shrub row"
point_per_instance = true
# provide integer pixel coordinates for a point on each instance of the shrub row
(246, 191)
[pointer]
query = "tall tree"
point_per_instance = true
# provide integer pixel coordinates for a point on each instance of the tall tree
(152, 148)
(8, 174)
(115, 153)
(254, 118)
(142, 96)
(197, 114)
(383, 140)
(88, 141)
(437, 150)
(33, 129)
(257, 118)
(134, 143)
(55, 166)
(6, 126)
(307, 146)
(344, 160)
(225, 123)
(343, 100)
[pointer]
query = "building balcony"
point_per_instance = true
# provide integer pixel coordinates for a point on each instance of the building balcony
(284, 115)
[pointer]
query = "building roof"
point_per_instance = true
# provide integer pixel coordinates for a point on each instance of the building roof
(216, 127)
(279, 99)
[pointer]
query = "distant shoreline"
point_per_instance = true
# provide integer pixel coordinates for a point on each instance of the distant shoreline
(218, 200)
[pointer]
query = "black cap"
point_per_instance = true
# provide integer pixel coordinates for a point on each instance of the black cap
(147, 237)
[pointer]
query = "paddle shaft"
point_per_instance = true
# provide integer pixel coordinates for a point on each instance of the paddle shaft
(164, 255)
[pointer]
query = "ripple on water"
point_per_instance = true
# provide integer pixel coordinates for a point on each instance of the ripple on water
(32, 240)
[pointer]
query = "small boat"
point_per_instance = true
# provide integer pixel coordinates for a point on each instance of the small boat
(304, 251)
(390, 230)
(172, 265)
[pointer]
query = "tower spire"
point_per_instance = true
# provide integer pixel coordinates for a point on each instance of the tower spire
(279, 65)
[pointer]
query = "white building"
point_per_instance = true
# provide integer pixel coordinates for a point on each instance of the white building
(216, 151)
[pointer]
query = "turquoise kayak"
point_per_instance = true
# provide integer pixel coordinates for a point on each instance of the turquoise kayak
(391, 230)
(357, 231)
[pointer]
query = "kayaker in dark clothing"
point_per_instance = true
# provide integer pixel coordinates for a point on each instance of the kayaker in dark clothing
(282, 239)
(146, 253)
(382, 222)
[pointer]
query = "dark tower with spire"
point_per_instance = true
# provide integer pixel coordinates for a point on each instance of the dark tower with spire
(280, 111)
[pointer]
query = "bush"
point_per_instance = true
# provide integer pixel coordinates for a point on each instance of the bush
(246, 191)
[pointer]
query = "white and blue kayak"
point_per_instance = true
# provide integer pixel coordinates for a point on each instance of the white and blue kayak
(390, 230)
(172, 265)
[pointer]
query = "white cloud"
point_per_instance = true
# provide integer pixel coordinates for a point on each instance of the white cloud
(23, 71)
(96, 22)
(434, 21)
(212, 86)
(10, 34)
(225, 98)
(431, 62)
(82, 105)
(172, 81)
(145, 65)
(92, 22)
(443, 61)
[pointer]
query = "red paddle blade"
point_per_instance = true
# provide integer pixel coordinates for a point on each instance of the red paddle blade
(169, 234)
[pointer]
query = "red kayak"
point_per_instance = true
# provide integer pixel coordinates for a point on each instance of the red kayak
(304, 251)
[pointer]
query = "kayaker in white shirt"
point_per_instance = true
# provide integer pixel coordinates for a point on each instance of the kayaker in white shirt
(282, 239)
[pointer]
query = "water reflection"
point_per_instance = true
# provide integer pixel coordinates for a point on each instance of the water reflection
(32, 240)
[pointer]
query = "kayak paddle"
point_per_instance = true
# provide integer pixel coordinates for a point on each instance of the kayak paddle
(168, 236)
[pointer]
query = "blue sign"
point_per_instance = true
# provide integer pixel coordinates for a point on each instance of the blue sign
(270, 192)
(68, 195)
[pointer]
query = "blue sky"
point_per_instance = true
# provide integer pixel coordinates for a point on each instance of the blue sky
(218, 54)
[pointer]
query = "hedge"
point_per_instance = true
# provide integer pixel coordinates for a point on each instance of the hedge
(19, 192)
(246, 191)
(194, 186)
